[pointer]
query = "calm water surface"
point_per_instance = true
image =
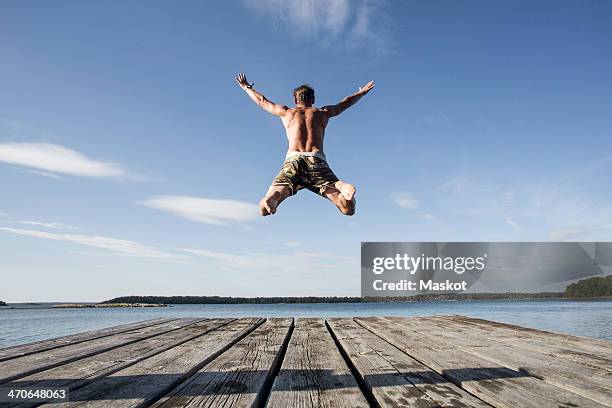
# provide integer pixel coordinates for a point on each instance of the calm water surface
(583, 318)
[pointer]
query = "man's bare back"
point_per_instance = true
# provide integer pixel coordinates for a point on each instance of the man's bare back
(305, 164)
(305, 128)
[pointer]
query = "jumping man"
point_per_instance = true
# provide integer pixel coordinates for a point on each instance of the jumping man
(305, 165)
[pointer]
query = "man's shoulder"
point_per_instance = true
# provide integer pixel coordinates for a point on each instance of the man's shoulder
(303, 109)
(309, 112)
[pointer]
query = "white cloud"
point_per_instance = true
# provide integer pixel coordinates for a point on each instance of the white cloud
(512, 223)
(52, 159)
(308, 16)
(45, 174)
(349, 24)
(429, 217)
(120, 246)
(3, 214)
(405, 199)
(53, 225)
(293, 243)
(539, 208)
(18, 128)
(438, 119)
(568, 233)
(408, 200)
(264, 262)
(205, 210)
(457, 185)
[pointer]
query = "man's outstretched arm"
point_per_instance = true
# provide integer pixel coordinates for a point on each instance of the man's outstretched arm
(258, 98)
(335, 110)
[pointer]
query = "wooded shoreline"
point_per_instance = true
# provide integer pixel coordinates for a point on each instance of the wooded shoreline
(177, 300)
(587, 289)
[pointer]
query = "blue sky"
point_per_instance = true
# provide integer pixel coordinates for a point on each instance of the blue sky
(131, 162)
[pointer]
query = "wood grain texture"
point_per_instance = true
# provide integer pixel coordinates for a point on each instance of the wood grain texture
(21, 350)
(589, 381)
(314, 373)
(85, 371)
(582, 350)
(601, 347)
(495, 384)
(394, 378)
(148, 380)
(239, 377)
(426, 362)
(44, 360)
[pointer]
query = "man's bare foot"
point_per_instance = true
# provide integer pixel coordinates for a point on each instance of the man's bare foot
(346, 207)
(347, 190)
(268, 204)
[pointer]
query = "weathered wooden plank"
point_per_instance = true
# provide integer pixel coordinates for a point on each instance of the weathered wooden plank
(586, 344)
(560, 346)
(148, 380)
(314, 373)
(21, 350)
(33, 363)
(590, 382)
(394, 378)
(238, 378)
(495, 384)
(83, 372)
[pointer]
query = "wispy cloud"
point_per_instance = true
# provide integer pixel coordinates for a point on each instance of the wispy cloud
(119, 246)
(569, 233)
(50, 160)
(266, 262)
(345, 23)
(205, 210)
(512, 223)
(405, 199)
(45, 174)
(408, 200)
(293, 243)
(457, 185)
(438, 119)
(16, 128)
(559, 211)
(429, 217)
(52, 225)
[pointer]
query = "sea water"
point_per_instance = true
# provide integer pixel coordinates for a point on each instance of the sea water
(27, 323)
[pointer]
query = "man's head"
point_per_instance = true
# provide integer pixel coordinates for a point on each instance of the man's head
(304, 95)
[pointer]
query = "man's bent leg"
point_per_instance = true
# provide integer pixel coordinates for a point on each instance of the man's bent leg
(275, 195)
(346, 207)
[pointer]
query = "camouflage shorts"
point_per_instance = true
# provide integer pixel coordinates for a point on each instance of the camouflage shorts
(300, 172)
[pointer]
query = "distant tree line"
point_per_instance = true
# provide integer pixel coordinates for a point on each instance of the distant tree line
(177, 300)
(587, 288)
(487, 296)
(598, 287)
(2, 303)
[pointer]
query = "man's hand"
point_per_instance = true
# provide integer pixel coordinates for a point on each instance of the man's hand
(366, 88)
(243, 82)
(258, 98)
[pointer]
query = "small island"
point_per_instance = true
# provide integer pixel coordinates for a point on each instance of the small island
(2, 303)
(105, 305)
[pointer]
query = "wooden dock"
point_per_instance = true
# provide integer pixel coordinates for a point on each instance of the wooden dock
(441, 361)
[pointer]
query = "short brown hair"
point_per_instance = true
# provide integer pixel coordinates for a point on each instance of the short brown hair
(304, 94)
